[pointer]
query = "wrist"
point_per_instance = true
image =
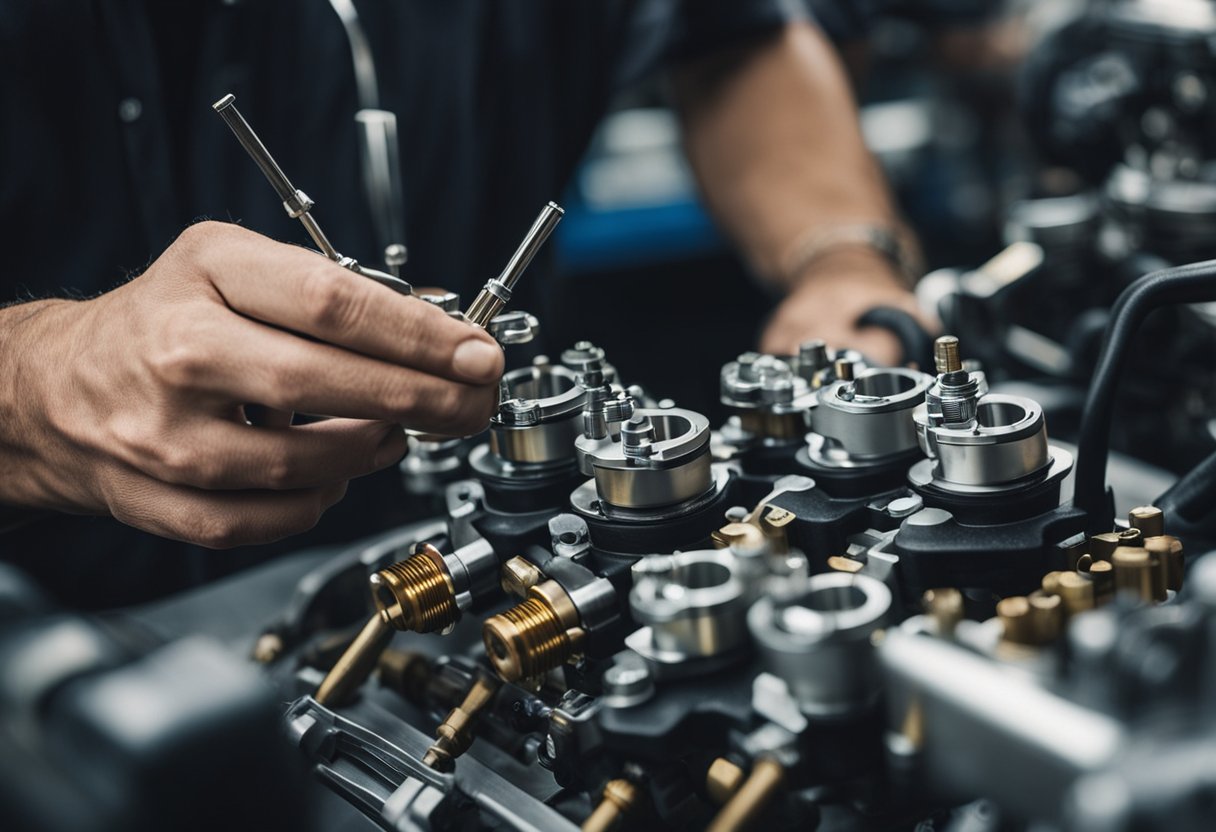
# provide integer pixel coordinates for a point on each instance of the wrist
(861, 247)
(29, 356)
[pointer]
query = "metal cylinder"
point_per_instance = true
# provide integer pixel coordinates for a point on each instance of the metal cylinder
(661, 458)
(818, 640)
(693, 603)
(1006, 442)
(869, 417)
(539, 417)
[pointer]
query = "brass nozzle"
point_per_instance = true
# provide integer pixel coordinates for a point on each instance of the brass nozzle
(455, 734)
(753, 796)
(619, 798)
(1032, 620)
(417, 593)
(946, 356)
(945, 606)
(535, 636)
(1167, 550)
(356, 664)
(722, 780)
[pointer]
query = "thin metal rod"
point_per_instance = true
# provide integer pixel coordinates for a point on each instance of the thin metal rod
(546, 221)
(226, 107)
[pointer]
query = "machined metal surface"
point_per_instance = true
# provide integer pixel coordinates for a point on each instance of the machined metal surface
(817, 639)
(869, 417)
(1005, 442)
(662, 458)
(540, 415)
(690, 605)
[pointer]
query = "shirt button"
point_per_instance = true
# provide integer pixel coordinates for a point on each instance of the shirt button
(130, 109)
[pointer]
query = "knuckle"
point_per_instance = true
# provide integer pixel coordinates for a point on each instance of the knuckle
(280, 471)
(330, 299)
(403, 399)
(218, 531)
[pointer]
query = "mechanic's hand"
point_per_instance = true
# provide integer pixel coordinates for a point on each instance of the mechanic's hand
(133, 403)
(827, 303)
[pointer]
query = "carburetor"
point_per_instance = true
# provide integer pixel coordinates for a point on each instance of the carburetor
(630, 620)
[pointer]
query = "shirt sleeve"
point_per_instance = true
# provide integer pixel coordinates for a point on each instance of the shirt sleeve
(702, 27)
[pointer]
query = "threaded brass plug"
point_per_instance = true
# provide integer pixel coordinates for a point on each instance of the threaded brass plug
(417, 593)
(535, 636)
(414, 594)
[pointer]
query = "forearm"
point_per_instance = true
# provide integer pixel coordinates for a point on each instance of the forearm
(772, 134)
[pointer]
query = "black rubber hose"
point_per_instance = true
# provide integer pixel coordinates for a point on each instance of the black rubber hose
(914, 341)
(1190, 503)
(1193, 283)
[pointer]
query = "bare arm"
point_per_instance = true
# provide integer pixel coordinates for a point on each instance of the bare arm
(772, 134)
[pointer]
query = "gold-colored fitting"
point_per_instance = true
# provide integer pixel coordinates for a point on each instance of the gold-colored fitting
(768, 425)
(946, 357)
(518, 576)
(1032, 620)
(417, 593)
(846, 369)
(414, 594)
(533, 637)
(1076, 591)
(268, 648)
(743, 535)
(1148, 519)
(1102, 573)
(455, 734)
(620, 796)
(841, 563)
(1167, 549)
(407, 672)
(1051, 583)
(722, 780)
(1102, 546)
(356, 664)
(945, 606)
(1133, 572)
(747, 804)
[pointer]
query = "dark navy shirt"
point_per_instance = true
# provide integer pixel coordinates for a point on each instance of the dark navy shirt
(109, 147)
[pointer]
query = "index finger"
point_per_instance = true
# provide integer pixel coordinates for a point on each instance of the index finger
(300, 290)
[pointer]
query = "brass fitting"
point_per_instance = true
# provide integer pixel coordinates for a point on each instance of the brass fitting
(840, 563)
(455, 734)
(356, 664)
(407, 672)
(535, 636)
(1032, 620)
(743, 809)
(1150, 520)
(722, 780)
(1102, 573)
(946, 356)
(945, 607)
(518, 576)
(773, 425)
(620, 796)
(1133, 572)
(1076, 591)
(416, 593)
(1167, 550)
(1102, 546)
(743, 535)
(268, 648)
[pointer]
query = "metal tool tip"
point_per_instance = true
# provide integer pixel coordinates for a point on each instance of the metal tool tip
(224, 103)
(559, 209)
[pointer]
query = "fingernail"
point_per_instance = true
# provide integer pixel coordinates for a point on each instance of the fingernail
(476, 360)
(392, 448)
